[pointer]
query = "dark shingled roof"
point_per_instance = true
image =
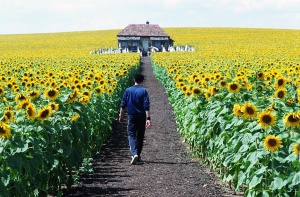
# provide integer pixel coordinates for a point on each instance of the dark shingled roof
(143, 30)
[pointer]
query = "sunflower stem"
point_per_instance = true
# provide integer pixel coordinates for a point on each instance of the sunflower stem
(273, 170)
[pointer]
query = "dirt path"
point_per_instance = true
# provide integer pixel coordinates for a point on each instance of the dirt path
(168, 169)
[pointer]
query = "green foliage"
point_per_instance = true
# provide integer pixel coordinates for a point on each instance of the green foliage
(235, 146)
(41, 156)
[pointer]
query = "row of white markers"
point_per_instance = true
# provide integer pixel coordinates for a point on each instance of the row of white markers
(151, 49)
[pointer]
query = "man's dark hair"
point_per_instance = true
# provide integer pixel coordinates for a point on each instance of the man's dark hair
(139, 78)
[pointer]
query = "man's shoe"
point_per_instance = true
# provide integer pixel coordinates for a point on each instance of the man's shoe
(134, 160)
(140, 161)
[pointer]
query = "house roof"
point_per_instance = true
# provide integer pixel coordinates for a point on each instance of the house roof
(142, 30)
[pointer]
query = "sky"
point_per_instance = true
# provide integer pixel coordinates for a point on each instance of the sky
(49, 16)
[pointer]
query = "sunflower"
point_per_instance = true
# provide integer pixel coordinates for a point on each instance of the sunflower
(30, 112)
(1, 91)
(9, 114)
(271, 107)
(184, 88)
(4, 119)
(9, 85)
(280, 93)
(53, 84)
(249, 110)
(272, 143)
(84, 100)
(98, 90)
(89, 82)
(44, 113)
(237, 110)
(51, 94)
(4, 130)
(214, 90)
(87, 93)
(24, 103)
(245, 83)
(289, 101)
(296, 148)
(33, 94)
(266, 119)
(260, 76)
(292, 120)
(101, 82)
(20, 97)
(281, 81)
(110, 90)
(73, 96)
(188, 93)
(78, 86)
(196, 91)
(207, 95)
(54, 106)
(196, 80)
(223, 84)
(233, 87)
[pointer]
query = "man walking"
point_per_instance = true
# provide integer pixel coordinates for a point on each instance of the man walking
(136, 99)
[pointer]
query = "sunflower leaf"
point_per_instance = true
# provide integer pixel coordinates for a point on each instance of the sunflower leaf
(255, 181)
(296, 179)
(277, 183)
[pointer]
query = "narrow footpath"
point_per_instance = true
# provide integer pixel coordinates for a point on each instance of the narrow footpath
(169, 169)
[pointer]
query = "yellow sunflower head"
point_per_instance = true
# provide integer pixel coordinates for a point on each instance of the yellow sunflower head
(233, 87)
(20, 97)
(260, 76)
(84, 100)
(30, 112)
(98, 91)
(237, 110)
(266, 119)
(223, 84)
(292, 119)
(51, 94)
(73, 96)
(9, 114)
(33, 94)
(187, 93)
(54, 106)
(1, 91)
(197, 80)
(214, 90)
(271, 107)
(196, 91)
(24, 103)
(87, 93)
(184, 88)
(296, 148)
(249, 111)
(110, 90)
(207, 95)
(272, 143)
(44, 113)
(281, 81)
(289, 101)
(280, 93)
(5, 130)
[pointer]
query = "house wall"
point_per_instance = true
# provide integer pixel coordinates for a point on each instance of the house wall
(129, 42)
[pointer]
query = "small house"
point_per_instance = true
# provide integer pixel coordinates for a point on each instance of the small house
(144, 37)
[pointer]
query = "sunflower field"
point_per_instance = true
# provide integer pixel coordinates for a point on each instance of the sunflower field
(237, 103)
(57, 104)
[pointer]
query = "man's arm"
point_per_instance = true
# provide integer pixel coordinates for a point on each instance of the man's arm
(121, 115)
(148, 119)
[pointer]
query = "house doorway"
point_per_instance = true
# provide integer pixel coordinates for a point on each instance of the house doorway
(145, 47)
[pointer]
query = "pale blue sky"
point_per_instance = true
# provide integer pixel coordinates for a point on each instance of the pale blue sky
(46, 16)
